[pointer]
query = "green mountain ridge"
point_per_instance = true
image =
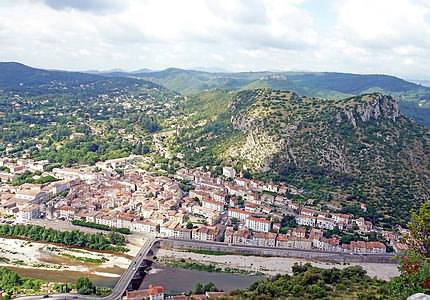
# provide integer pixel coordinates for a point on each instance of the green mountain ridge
(413, 98)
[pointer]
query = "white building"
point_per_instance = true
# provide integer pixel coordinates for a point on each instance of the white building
(228, 172)
(258, 224)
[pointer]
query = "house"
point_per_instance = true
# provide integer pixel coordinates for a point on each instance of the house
(258, 224)
(264, 239)
(293, 205)
(205, 233)
(145, 226)
(238, 213)
(250, 207)
(228, 172)
(363, 225)
(284, 241)
(305, 220)
(212, 204)
(29, 212)
(363, 247)
(182, 233)
(124, 221)
(153, 292)
(325, 244)
(34, 195)
(325, 223)
(239, 237)
(66, 212)
(299, 232)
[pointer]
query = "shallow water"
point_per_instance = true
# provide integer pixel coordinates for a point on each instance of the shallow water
(176, 280)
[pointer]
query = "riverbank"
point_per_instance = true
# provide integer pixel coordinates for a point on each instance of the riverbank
(39, 259)
(271, 265)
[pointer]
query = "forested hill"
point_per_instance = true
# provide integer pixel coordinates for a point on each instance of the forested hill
(358, 148)
(25, 80)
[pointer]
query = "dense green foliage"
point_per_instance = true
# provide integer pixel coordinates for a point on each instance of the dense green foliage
(11, 283)
(308, 282)
(84, 286)
(199, 288)
(415, 265)
(111, 242)
(100, 226)
(27, 177)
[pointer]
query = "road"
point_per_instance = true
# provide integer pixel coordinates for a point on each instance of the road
(120, 286)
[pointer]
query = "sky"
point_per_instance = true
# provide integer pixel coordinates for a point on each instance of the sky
(357, 36)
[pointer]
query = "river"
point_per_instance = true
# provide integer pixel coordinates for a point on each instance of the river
(176, 280)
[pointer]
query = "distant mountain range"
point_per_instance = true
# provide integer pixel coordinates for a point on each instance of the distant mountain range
(414, 98)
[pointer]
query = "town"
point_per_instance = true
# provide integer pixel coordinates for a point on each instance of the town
(190, 204)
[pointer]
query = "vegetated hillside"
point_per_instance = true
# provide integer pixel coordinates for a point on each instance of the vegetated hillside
(356, 148)
(190, 82)
(414, 98)
(70, 117)
(309, 282)
(28, 81)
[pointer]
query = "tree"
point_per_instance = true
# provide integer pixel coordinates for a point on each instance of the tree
(420, 230)
(415, 265)
(84, 286)
(198, 288)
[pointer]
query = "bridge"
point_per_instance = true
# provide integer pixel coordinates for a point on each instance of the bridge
(120, 287)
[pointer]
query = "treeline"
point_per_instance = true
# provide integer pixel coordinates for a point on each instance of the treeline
(112, 241)
(309, 282)
(100, 226)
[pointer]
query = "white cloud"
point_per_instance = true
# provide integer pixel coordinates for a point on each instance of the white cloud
(383, 36)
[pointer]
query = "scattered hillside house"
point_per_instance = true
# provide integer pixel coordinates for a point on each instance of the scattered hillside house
(228, 172)
(311, 212)
(258, 224)
(238, 213)
(212, 204)
(153, 292)
(363, 225)
(363, 247)
(205, 233)
(325, 223)
(305, 220)
(341, 218)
